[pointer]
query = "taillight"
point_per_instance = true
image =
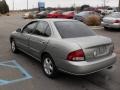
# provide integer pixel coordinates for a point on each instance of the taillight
(111, 48)
(76, 56)
(117, 21)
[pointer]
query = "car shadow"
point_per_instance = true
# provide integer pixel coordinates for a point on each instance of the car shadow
(112, 30)
(100, 79)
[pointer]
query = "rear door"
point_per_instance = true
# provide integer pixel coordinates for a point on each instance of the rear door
(39, 38)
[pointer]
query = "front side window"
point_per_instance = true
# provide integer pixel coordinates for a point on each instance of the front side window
(72, 29)
(42, 29)
(29, 28)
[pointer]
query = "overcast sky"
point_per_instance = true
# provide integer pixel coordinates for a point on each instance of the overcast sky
(22, 4)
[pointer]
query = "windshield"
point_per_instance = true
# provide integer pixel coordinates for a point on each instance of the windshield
(70, 12)
(114, 15)
(71, 29)
(56, 12)
(43, 12)
(53, 12)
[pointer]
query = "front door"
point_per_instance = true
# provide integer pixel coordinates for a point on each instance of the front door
(24, 36)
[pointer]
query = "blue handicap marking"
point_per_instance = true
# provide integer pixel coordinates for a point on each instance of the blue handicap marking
(13, 64)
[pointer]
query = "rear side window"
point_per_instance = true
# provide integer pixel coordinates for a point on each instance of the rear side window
(43, 29)
(71, 29)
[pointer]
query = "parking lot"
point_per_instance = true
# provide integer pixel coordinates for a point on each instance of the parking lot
(109, 79)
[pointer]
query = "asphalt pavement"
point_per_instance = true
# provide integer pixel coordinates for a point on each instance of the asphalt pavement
(108, 79)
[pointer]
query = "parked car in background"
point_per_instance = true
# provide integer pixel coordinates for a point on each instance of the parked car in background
(107, 11)
(88, 16)
(27, 15)
(64, 44)
(112, 21)
(34, 13)
(82, 16)
(55, 14)
(42, 14)
(30, 15)
(69, 14)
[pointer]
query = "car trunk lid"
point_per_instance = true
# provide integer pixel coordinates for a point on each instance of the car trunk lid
(93, 46)
(110, 20)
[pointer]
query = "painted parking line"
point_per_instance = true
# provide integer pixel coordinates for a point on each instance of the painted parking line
(13, 64)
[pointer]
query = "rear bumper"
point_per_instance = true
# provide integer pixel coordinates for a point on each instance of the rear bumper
(114, 25)
(84, 67)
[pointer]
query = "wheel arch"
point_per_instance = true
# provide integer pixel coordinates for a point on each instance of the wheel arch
(44, 53)
(11, 38)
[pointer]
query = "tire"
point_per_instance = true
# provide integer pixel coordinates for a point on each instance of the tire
(49, 67)
(13, 47)
(106, 28)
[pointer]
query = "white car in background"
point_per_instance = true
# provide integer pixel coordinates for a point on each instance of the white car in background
(112, 21)
(107, 11)
(30, 15)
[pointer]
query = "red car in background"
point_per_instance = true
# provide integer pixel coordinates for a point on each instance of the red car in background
(55, 14)
(68, 14)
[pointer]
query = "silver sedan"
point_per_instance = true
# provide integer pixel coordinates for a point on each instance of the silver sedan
(112, 21)
(65, 45)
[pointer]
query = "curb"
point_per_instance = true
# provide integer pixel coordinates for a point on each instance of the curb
(96, 27)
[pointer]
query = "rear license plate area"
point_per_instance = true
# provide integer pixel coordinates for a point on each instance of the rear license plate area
(100, 51)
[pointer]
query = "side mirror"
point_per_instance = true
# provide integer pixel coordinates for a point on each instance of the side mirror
(18, 30)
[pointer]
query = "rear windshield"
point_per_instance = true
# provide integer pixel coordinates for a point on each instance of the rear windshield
(87, 13)
(114, 15)
(71, 29)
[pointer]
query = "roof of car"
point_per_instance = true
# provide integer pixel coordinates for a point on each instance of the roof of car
(53, 20)
(116, 12)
